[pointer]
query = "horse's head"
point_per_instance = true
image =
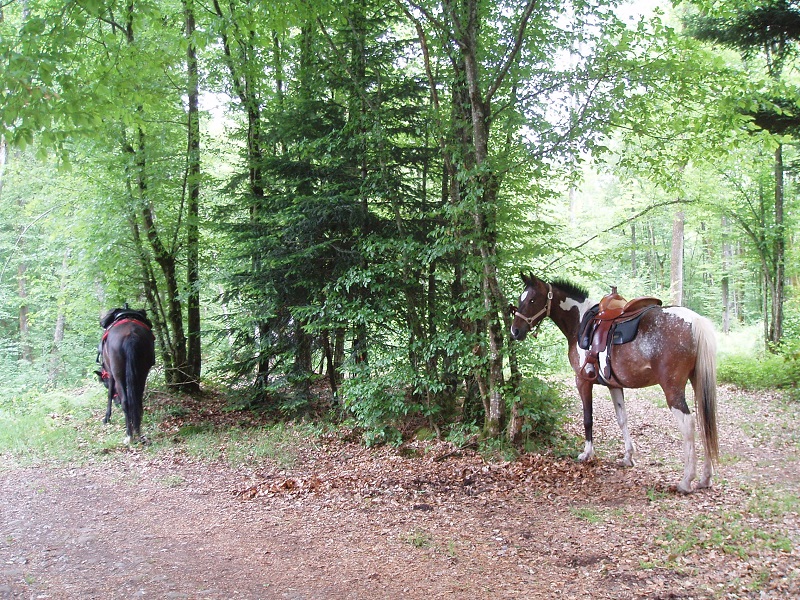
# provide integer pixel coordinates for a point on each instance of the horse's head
(102, 376)
(534, 306)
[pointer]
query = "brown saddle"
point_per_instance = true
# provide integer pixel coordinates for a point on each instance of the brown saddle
(612, 310)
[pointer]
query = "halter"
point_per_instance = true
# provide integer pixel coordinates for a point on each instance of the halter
(545, 311)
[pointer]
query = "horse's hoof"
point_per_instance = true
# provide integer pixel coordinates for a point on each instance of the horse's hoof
(628, 462)
(586, 456)
(704, 484)
(127, 440)
(682, 489)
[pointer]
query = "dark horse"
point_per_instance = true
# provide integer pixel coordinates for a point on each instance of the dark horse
(673, 345)
(128, 353)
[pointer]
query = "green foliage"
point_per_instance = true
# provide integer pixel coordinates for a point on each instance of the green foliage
(762, 372)
(379, 404)
(40, 426)
(343, 196)
(544, 408)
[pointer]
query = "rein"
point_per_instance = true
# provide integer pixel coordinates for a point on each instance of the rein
(534, 329)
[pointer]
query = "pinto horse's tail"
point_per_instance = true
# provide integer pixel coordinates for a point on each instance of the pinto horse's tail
(705, 385)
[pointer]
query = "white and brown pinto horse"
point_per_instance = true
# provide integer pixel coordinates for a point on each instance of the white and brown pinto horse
(673, 345)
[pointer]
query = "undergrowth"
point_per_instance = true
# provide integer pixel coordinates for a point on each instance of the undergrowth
(763, 371)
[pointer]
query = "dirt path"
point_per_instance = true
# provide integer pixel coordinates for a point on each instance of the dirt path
(351, 523)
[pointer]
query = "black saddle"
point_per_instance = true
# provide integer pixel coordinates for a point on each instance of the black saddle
(613, 321)
(117, 314)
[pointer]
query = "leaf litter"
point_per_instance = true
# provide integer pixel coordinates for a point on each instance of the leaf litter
(431, 520)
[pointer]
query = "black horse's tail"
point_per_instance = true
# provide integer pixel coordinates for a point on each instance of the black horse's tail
(135, 380)
(705, 373)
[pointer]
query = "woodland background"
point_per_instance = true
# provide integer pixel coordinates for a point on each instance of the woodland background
(325, 205)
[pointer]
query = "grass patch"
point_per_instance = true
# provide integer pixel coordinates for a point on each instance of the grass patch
(65, 428)
(730, 533)
(204, 444)
(419, 539)
(590, 515)
(173, 481)
(771, 504)
(742, 534)
(60, 426)
(278, 443)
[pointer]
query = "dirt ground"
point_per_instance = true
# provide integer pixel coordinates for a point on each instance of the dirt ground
(423, 521)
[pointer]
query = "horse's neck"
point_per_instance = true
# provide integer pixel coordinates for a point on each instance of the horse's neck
(567, 313)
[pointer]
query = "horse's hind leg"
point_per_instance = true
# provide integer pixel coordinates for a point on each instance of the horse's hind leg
(708, 465)
(708, 473)
(618, 396)
(136, 427)
(128, 411)
(676, 400)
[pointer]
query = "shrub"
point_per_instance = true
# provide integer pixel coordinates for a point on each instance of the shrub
(769, 371)
(544, 408)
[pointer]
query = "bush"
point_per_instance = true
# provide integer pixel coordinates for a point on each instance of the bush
(544, 408)
(769, 371)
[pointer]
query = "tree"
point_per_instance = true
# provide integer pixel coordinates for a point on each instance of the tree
(59, 56)
(770, 29)
(676, 262)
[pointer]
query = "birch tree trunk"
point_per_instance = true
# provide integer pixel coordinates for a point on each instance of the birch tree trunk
(676, 262)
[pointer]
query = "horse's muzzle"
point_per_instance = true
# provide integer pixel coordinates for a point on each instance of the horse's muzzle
(518, 334)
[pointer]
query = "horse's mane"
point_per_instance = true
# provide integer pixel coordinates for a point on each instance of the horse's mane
(572, 290)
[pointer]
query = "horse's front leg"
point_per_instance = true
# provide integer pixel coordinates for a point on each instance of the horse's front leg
(618, 396)
(585, 391)
(111, 388)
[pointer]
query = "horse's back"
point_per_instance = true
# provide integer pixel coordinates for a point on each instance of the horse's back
(130, 338)
(664, 349)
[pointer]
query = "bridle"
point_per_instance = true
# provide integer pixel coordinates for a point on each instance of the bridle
(545, 311)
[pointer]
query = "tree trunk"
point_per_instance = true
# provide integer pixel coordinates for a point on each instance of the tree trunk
(25, 346)
(179, 376)
(727, 256)
(779, 251)
(245, 88)
(484, 186)
(3, 158)
(61, 320)
(194, 357)
(676, 262)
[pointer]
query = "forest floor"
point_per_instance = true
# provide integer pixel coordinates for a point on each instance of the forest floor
(325, 517)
